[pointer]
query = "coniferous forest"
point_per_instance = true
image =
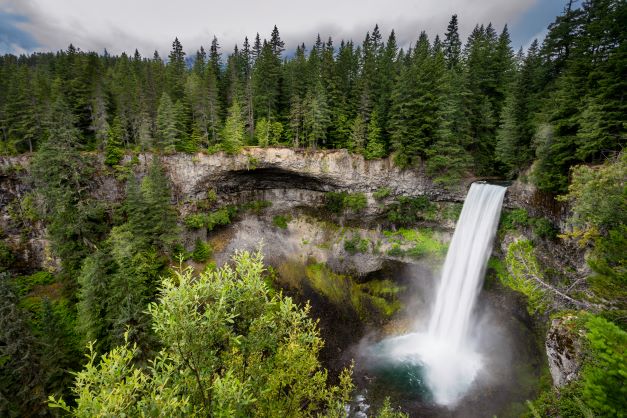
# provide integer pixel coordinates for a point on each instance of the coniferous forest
(553, 116)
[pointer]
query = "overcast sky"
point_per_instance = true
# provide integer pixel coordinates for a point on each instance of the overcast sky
(148, 25)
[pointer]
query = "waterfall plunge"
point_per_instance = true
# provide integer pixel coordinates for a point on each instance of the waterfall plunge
(445, 352)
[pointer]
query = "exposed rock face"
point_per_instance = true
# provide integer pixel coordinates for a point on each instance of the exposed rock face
(287, 177)
(563, 349)
(272, 168)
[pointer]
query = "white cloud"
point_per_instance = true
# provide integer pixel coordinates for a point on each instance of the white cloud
(123, 25)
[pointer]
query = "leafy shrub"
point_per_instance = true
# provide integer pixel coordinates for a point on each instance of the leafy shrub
(356, 202)
(382, 193)
(356, 245)
(281, 221)
(511, 219)
(334, 201)
(603, 375)
(520, 274)
(7, 258)
(257, 206)
(202, 251)
(407, 210)
(24, 284)
(396, 251)
(222, 216)
(543, 228)
(195, 221)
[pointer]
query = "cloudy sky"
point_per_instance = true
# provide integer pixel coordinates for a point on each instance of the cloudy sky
(148, 25)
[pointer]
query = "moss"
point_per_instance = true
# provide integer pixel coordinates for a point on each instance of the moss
(371, 300)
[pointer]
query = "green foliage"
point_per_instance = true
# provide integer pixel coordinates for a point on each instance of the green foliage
(381, 193)
(229, 347)
(22, 379)
(355, 202)
(337, 202)
(407, 210)
(233, 132)
(7, 258)
(114, 150)
(222, 216)
(281, 221)
(268, 133)
(421, 243)
(356, 244)
(512, 219)
(604, 374)
(521, 273)
(24, 284)
(257, 206)
(599, 390)
(202, 251)
(599, 199)
(371, 300)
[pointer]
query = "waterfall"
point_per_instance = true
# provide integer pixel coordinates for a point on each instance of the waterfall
(445, 353)
(466, 260)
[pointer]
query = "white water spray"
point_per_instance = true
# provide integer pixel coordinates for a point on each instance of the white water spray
(445, 351)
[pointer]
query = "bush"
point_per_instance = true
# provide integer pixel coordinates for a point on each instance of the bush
(407, 210)
(334, 201)
(511, 219)
(543, 228)
(257, 206)
(604, 373)
(281, 221)
(202, 251)
(6, 257)
(222, 216)
(382, 193)
(24, 284)
(356, 202)
(356, 245)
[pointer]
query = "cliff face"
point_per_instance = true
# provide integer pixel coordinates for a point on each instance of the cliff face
(287, 177)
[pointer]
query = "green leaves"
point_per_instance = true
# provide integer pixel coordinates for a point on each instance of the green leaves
(231, 347)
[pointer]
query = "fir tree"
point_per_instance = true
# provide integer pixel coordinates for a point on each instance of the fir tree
(233, 133)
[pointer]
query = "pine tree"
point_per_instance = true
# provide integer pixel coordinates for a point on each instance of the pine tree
(376, 146)
(167, 133)
(359, 135)
(452, 44)
(514, 146)
(175, 71)
(114, 147)
(233, 133)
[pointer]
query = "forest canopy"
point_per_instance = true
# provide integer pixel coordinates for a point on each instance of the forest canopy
(461, 107)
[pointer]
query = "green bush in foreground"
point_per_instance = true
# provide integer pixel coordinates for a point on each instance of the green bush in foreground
(230, 347)
(600, 390)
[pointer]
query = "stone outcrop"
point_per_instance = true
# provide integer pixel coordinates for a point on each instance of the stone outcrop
(564, 349)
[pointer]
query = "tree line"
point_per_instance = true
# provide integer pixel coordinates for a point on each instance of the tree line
(474, 107)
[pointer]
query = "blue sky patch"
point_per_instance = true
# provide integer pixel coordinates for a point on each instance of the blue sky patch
(11, 35)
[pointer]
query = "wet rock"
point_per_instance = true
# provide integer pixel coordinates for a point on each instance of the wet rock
(564, 349)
